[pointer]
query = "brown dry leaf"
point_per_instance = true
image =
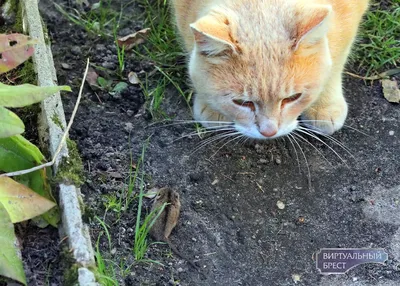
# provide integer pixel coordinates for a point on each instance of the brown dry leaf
(391, 90)
(91, 78)
(132, 40)
(133, 78)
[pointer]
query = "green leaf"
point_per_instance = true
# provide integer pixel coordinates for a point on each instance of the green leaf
(17, 153)
(10, 263)
(26, 94)
(104, 83)
(14, 50)
(120, 87)
(10, 123)
(21, 202)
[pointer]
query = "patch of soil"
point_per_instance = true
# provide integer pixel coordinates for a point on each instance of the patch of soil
(40, 247)
(230, 225)
(41, 252)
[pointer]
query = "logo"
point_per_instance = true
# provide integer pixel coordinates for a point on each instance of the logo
(341, 260)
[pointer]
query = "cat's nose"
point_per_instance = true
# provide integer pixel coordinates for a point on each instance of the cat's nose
(269, 128)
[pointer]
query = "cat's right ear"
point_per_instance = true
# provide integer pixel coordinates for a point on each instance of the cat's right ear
(313, 24)
(213, 36)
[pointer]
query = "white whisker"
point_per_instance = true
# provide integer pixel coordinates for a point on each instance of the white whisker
(316, 137)
(305, 159)
(328, 121)
(333, 139)
(309, 143)
(295, 151)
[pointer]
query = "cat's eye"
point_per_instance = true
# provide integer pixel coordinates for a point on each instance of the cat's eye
(291, 98)
(245, 103)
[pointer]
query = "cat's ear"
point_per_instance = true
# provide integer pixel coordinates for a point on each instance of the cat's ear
(212, 35)
(313, 24)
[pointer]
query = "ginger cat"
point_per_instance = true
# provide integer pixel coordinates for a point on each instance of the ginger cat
(260, 64)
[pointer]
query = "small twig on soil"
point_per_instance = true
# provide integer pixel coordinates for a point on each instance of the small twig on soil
(63, 139)
(376, 77)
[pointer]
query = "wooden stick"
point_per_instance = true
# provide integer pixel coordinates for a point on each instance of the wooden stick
(63, 138)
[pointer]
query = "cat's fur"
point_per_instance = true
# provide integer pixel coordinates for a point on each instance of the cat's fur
(251, 59)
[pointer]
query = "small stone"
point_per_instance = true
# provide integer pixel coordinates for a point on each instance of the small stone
(278, 161)
(128, 127)
(263, 161)
(113, 251)
(180, 269)
(75, 50)
(391, 132)
(355, 279)
(296, 278)
(280, 205)
(194, 239)
(66, 66)
(108, 65)
(130, 112)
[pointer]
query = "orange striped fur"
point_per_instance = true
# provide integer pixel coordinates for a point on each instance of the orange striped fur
(260, 64)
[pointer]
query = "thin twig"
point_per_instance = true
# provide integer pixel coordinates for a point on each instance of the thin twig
(63, 139)
(385, 74)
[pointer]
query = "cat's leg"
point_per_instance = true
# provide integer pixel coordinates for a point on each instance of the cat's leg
(204, 114)
(329, 112)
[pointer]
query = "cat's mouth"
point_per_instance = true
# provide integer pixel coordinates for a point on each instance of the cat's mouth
(254, 132)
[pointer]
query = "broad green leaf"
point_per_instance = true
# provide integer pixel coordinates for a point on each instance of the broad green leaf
(26, 94)
(21, 202)
(17, 153)
(14, 50)
(10, 124)
(104, 83)
(119, 87)
(10, 263)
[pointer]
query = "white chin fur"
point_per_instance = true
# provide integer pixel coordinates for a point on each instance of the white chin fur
(252, 132)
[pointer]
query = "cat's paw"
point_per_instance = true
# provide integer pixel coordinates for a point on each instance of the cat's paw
(205, 115)
(326, 119)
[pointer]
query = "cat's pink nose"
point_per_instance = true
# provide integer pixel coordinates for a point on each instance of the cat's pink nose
(269, 132)
(269, 128)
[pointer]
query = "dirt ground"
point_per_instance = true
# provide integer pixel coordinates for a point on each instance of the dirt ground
(230, 224)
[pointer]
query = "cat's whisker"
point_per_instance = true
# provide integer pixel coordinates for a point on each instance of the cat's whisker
(312, 145)
(305, 159)
(295, 151)
(213, 139)
(182, 122)
(327, 145)
(333, 139)
(226, 143)
(328, 121)
(199, 133)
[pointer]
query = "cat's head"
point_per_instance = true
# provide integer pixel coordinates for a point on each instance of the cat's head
(258, 67)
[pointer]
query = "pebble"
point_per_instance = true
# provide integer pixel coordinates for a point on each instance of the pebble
(180, 269)
(391, 132)
(108, 65)
(263, 161)
(76, 50)
(280, 205)
(194, 239)
(278, 161)
(66, 66)
(128, 127)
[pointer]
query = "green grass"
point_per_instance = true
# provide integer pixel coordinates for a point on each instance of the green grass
(97, 21)
(142, 228)
(378, 48)
(163, 49)
(106, 271)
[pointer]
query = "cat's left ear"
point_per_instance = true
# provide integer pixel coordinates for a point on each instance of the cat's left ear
(212, 34)
(312, 25)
